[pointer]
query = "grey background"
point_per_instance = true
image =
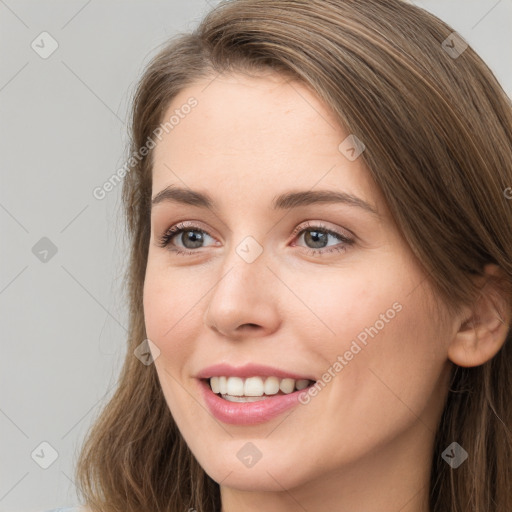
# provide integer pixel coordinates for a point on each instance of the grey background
(63, 133)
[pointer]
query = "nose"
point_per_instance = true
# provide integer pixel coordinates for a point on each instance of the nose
(244, 302)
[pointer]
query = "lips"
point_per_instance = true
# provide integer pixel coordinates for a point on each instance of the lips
(247, 411)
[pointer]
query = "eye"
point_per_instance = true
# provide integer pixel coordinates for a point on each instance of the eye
(195, 236)
(318, 235)
(315, 234)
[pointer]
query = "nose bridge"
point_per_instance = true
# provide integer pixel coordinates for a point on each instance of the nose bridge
(246, 247)
(243, 293)
(240, 279)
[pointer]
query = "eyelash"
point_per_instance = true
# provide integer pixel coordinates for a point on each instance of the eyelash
(181, 227)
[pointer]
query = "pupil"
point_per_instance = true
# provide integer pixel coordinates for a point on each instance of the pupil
(314, 236)
(195, 237)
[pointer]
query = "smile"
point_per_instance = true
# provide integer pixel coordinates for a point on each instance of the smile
(251, 389)
(245, 409)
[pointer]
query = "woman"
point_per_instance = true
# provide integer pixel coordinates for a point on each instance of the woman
(318, 203)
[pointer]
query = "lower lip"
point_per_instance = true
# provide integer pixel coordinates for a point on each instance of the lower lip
(247, 413)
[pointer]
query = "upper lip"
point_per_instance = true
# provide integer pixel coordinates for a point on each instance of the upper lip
(249, 370)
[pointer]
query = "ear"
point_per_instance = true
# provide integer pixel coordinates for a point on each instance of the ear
(485, 324)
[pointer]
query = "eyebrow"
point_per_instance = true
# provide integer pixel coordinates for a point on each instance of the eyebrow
(284, 201)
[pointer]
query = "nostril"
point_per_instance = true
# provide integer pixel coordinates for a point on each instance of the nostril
(249, 327)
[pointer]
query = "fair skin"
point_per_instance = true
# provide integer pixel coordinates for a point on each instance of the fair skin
(365, 441)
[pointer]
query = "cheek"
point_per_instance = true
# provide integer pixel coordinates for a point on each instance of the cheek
(341, 305)
(393, 378)
(170, 316)
(170, 320)
(382, 350)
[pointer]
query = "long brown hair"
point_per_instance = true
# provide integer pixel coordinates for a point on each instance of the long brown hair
(437, 128)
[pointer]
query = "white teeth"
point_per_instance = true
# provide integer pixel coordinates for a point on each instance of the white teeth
(287, 385)
(301, 384)
(271, 385)
(235, 386)
(254, 387)
(214, 383)
(223, 387)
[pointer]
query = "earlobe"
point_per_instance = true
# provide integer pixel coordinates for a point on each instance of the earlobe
(484, 329)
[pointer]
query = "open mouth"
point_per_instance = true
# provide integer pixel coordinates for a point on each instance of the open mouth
(253, 389)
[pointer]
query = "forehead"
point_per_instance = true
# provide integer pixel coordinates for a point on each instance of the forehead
(255, 134)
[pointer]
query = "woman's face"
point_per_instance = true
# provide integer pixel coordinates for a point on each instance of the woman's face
(314, 288)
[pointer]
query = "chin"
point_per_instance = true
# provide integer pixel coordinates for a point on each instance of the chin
(263, 476)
